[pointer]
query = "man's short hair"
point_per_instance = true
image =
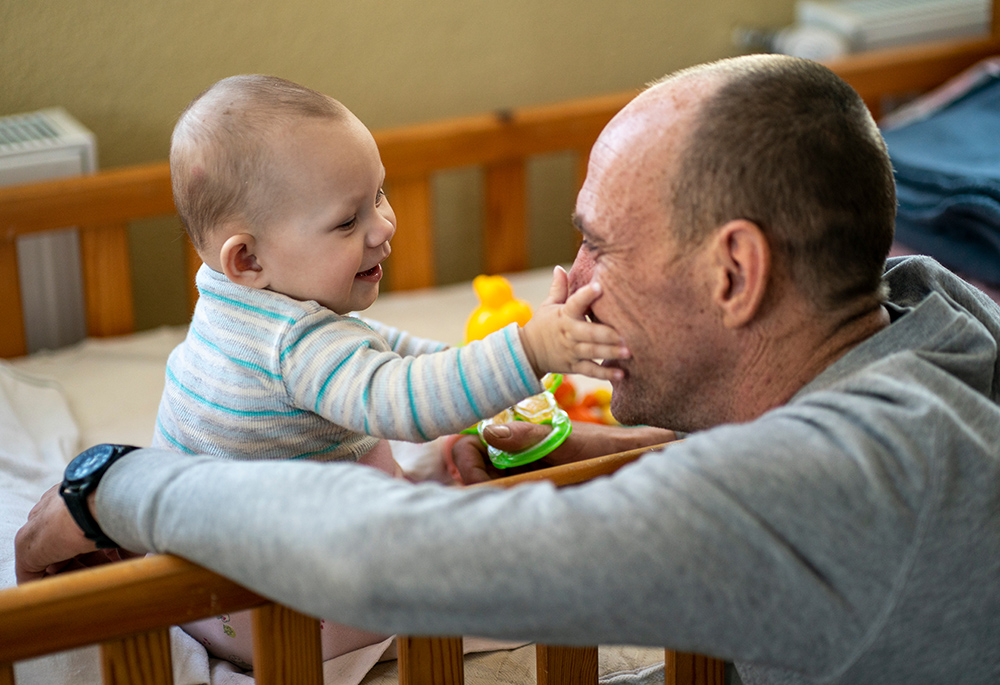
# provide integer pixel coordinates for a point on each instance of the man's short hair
(787, 144)
(221, 155)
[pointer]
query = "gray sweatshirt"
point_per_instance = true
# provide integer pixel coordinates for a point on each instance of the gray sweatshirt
(852, 535)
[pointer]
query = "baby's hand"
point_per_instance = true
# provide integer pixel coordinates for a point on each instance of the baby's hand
(559, 339)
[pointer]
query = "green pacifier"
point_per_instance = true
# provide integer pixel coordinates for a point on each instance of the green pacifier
(541, 408)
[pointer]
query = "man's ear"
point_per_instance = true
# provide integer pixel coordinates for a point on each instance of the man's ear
(239, 261)
(741, 257)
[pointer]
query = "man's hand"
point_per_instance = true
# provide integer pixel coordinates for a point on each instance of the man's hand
(50, 542)
(586, 441)
(558, 338)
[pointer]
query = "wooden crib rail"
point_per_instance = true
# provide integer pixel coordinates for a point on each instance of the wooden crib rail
(127, 607)
(912, 69)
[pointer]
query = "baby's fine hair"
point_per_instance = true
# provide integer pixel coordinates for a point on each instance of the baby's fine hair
(221, 154)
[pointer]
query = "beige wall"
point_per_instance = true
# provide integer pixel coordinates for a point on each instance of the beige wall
(126, 68)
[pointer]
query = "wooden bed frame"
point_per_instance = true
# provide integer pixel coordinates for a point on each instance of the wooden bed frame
(127, 607)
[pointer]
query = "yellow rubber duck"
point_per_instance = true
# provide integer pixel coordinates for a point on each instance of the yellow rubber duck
(497, 307)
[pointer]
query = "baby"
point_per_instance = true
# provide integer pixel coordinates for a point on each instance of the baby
(280, 190)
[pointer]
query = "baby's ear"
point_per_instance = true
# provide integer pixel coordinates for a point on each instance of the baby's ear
(239, 261)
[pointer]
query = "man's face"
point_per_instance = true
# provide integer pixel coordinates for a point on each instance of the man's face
(654, 291)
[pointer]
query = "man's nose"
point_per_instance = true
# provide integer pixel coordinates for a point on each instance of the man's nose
(581, 272)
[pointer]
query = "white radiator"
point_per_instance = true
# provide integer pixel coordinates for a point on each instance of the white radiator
(37, 146)
(874, 24)
(829, 28)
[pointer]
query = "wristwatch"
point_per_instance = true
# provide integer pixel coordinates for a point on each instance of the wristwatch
(81, 478)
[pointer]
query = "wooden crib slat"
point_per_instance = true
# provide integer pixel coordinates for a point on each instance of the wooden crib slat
(6, 673)
(286, 647)
(505, 245)
(430, 660)
(12, 340)
(680, 668)
(413, 267)
(107, 279)
(566, 665)
(142, 659)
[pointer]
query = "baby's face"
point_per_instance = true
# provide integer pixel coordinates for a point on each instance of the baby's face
(335, 222)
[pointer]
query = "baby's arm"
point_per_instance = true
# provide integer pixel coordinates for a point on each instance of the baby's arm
(341, 370)
(402, 342)
(560, 339)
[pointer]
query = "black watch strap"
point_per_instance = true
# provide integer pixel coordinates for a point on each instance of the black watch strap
(81, 478)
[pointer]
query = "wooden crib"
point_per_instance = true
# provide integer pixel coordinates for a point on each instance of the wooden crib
(127, 607)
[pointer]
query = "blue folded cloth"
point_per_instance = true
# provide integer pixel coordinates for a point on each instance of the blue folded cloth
(947, 170)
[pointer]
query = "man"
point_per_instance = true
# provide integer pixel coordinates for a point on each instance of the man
(831, 518)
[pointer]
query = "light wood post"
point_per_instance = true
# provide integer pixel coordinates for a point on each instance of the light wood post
(107, 279)
(681, 668)
(12, 340)
(412, 263)
(142, 659)
(430, 660)
(566, 665)
(286, 647)
(505, 239)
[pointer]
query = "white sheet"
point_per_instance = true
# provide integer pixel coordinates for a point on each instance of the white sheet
(53, 404)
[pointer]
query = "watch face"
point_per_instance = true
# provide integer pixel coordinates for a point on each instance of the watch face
(88, 462)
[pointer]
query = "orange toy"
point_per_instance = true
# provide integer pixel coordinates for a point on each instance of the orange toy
(595, 407)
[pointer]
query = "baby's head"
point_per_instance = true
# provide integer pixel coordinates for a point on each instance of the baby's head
(280, 187)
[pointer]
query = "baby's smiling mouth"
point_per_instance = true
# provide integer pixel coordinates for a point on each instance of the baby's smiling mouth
(369, 272)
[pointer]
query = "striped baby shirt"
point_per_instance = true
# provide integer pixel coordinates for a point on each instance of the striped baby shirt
(264, 376)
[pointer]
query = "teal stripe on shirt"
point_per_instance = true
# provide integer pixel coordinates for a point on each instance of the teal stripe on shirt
(319, 395)
(221, 407)
(465, 384)
(517, 362)
(241, 362)
(249, 307)
(413, 404)
(302, 336)
(172, 440)
(327, 450)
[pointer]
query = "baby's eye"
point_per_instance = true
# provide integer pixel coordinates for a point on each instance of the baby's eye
(379, 196)
(349, 224)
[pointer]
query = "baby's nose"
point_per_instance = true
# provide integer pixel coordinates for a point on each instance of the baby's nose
(381, 233)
